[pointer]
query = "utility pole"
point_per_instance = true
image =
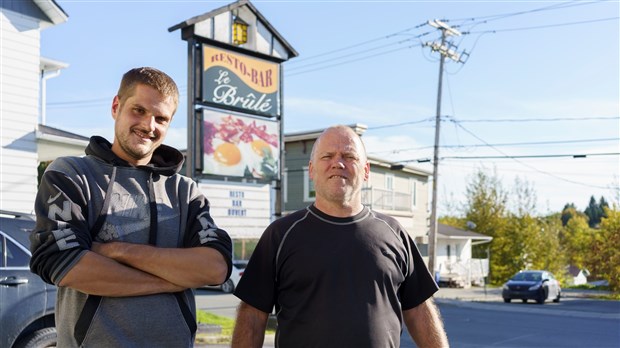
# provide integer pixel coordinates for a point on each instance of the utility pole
(444, 52)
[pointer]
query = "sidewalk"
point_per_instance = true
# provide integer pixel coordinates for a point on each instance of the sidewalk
(471, 294)
(481, 294)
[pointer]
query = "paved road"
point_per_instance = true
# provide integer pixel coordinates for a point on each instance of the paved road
(504, 326)
(474, 318)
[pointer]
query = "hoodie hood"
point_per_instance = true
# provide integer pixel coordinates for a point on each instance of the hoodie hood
(166, 160)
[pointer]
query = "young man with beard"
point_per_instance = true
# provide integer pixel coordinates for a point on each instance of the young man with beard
(123, 235)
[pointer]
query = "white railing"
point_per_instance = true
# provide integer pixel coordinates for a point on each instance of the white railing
(465, 273)
(382, 199)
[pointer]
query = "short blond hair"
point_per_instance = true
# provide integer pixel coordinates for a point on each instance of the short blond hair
(151, 77)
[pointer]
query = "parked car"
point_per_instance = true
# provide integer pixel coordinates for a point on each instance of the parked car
(231, 284)
(532, 285)
(26, 302)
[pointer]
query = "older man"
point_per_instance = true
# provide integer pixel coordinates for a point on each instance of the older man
(338, 273)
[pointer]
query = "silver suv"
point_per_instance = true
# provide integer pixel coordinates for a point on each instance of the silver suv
(26, 302)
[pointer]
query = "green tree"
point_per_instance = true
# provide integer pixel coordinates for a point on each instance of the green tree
(486, 207)
(568, 212)
(508, 250)
(596, 211)
(603, 206)
(524, 197)
(543, 243)
(485, 203)
(576, 240)
(604, 261)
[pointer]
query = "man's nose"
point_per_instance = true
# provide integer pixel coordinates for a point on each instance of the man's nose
(338, 162)
(149, 122)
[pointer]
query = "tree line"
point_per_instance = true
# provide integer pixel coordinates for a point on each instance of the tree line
(521, 240)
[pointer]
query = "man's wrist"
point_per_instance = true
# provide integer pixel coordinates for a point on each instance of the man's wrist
(111, 250)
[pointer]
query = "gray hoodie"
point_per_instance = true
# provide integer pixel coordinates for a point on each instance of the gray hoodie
(102, 198)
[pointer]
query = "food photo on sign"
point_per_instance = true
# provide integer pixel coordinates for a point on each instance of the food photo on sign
(240, 146)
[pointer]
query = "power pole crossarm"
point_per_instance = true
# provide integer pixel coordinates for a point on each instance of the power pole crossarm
(445, 29)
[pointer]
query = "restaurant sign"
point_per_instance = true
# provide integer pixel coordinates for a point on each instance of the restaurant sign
(240, 82)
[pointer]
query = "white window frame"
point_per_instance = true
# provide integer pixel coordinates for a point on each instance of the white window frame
(414, 192)
(389, 181)
(308, 186)
(284, 184)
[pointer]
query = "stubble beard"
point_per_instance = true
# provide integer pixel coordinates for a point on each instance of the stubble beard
(135, 150)
(342, 195)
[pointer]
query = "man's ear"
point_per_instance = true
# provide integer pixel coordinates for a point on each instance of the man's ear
(367, 171)
(116, 106)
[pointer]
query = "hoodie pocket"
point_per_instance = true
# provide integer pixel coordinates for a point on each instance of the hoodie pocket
(162, 320)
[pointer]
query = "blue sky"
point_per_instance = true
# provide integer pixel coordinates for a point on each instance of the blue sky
(541, 79)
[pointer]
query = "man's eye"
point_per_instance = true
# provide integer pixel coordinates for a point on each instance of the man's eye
(162, 120)
(138, 111)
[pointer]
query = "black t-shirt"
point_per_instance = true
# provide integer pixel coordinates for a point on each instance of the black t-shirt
(336, 282)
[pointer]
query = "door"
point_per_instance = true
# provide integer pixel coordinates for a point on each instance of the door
(22, 293)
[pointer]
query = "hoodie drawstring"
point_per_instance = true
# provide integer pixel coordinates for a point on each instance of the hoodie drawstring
(153, 207)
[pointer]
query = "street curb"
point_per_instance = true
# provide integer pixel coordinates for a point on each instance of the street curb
(530, 309)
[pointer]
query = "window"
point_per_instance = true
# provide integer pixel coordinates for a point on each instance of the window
(389, 182)
(423, 248)
(284, 185)
(414, 192)
(15, 256)
(309, 192)
(388, 198)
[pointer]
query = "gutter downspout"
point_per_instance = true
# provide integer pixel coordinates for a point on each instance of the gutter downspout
(46, 75)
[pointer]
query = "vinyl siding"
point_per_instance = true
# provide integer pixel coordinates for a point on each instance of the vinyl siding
(19, 95)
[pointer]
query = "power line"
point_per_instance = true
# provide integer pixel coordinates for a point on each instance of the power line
(497, 120)
(501, 144)
(542, 26)
(423, 34)
(535, 156)
(293, 62)
(554, 119)
(352, 60)
(578, 155)
(525, 164)
(518, 13)
(347, 55)
(402, 124)
(485, 19)
(68, 104)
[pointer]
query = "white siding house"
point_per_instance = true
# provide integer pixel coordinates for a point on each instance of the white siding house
(20, 78)
(455, 264)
